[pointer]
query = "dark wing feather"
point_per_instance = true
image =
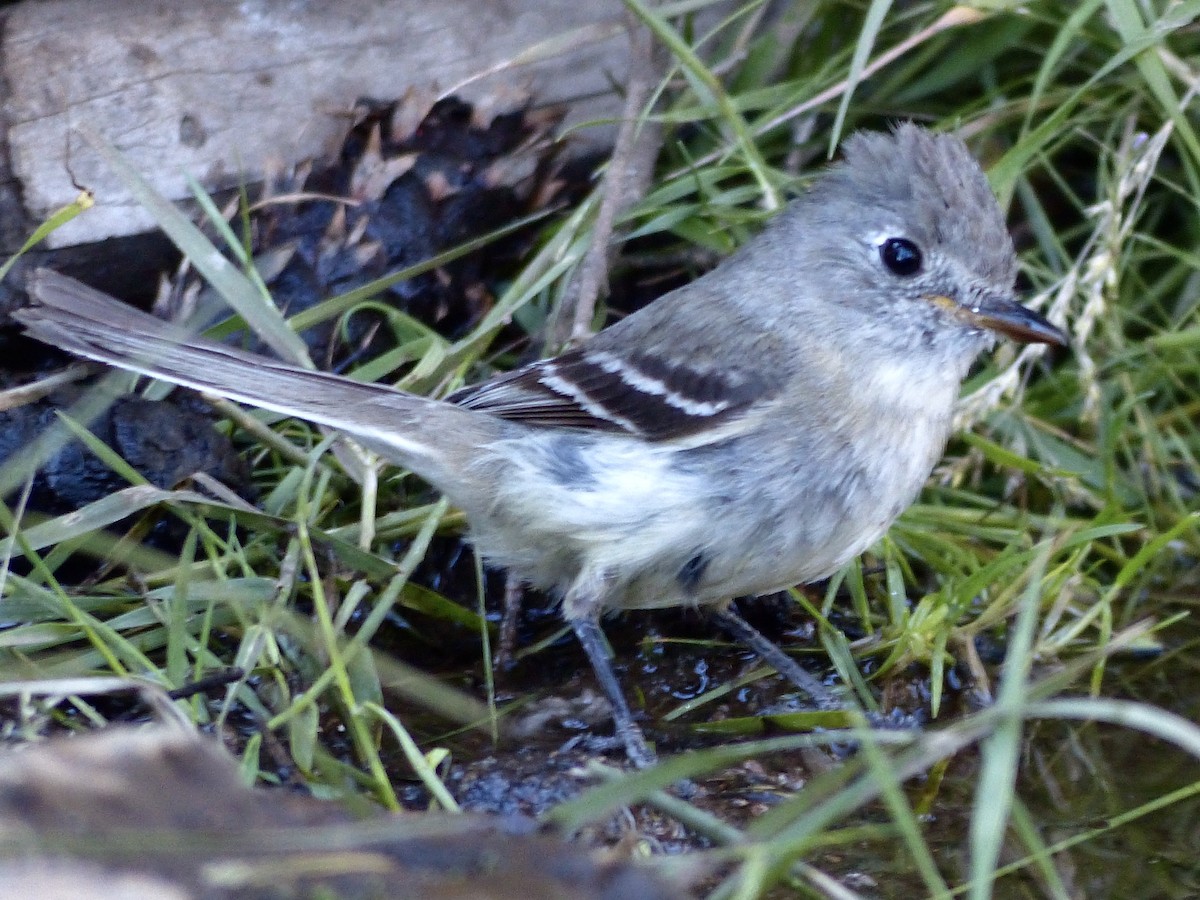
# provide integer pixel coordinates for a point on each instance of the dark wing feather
(600, 390)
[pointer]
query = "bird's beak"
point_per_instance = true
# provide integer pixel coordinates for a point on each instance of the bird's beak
(1002, 314)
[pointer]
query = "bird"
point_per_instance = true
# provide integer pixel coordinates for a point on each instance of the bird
(752, 430)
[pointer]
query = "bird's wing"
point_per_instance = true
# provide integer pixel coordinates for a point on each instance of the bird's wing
(646, 395)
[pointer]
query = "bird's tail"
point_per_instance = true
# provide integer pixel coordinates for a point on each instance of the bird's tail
(412, 431)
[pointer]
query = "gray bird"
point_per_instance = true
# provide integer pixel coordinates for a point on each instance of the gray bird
(750, 431)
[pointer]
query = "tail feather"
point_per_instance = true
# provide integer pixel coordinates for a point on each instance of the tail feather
(88, 323)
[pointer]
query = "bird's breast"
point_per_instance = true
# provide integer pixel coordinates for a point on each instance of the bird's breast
(821, 484)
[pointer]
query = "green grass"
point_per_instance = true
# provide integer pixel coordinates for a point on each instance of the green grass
(1062, 519)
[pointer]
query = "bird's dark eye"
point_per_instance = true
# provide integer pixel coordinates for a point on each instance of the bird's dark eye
(901, 256)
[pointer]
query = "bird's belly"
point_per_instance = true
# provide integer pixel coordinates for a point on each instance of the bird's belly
(578, 504)
(649, 526)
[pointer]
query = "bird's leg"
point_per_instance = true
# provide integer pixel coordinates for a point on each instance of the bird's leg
(587, 629)
(741, 630)
(514, 592)
(582, 606)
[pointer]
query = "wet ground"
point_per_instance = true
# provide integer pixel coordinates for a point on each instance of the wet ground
(1074, 777)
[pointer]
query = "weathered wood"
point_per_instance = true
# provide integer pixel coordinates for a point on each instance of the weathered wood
(221, 89)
